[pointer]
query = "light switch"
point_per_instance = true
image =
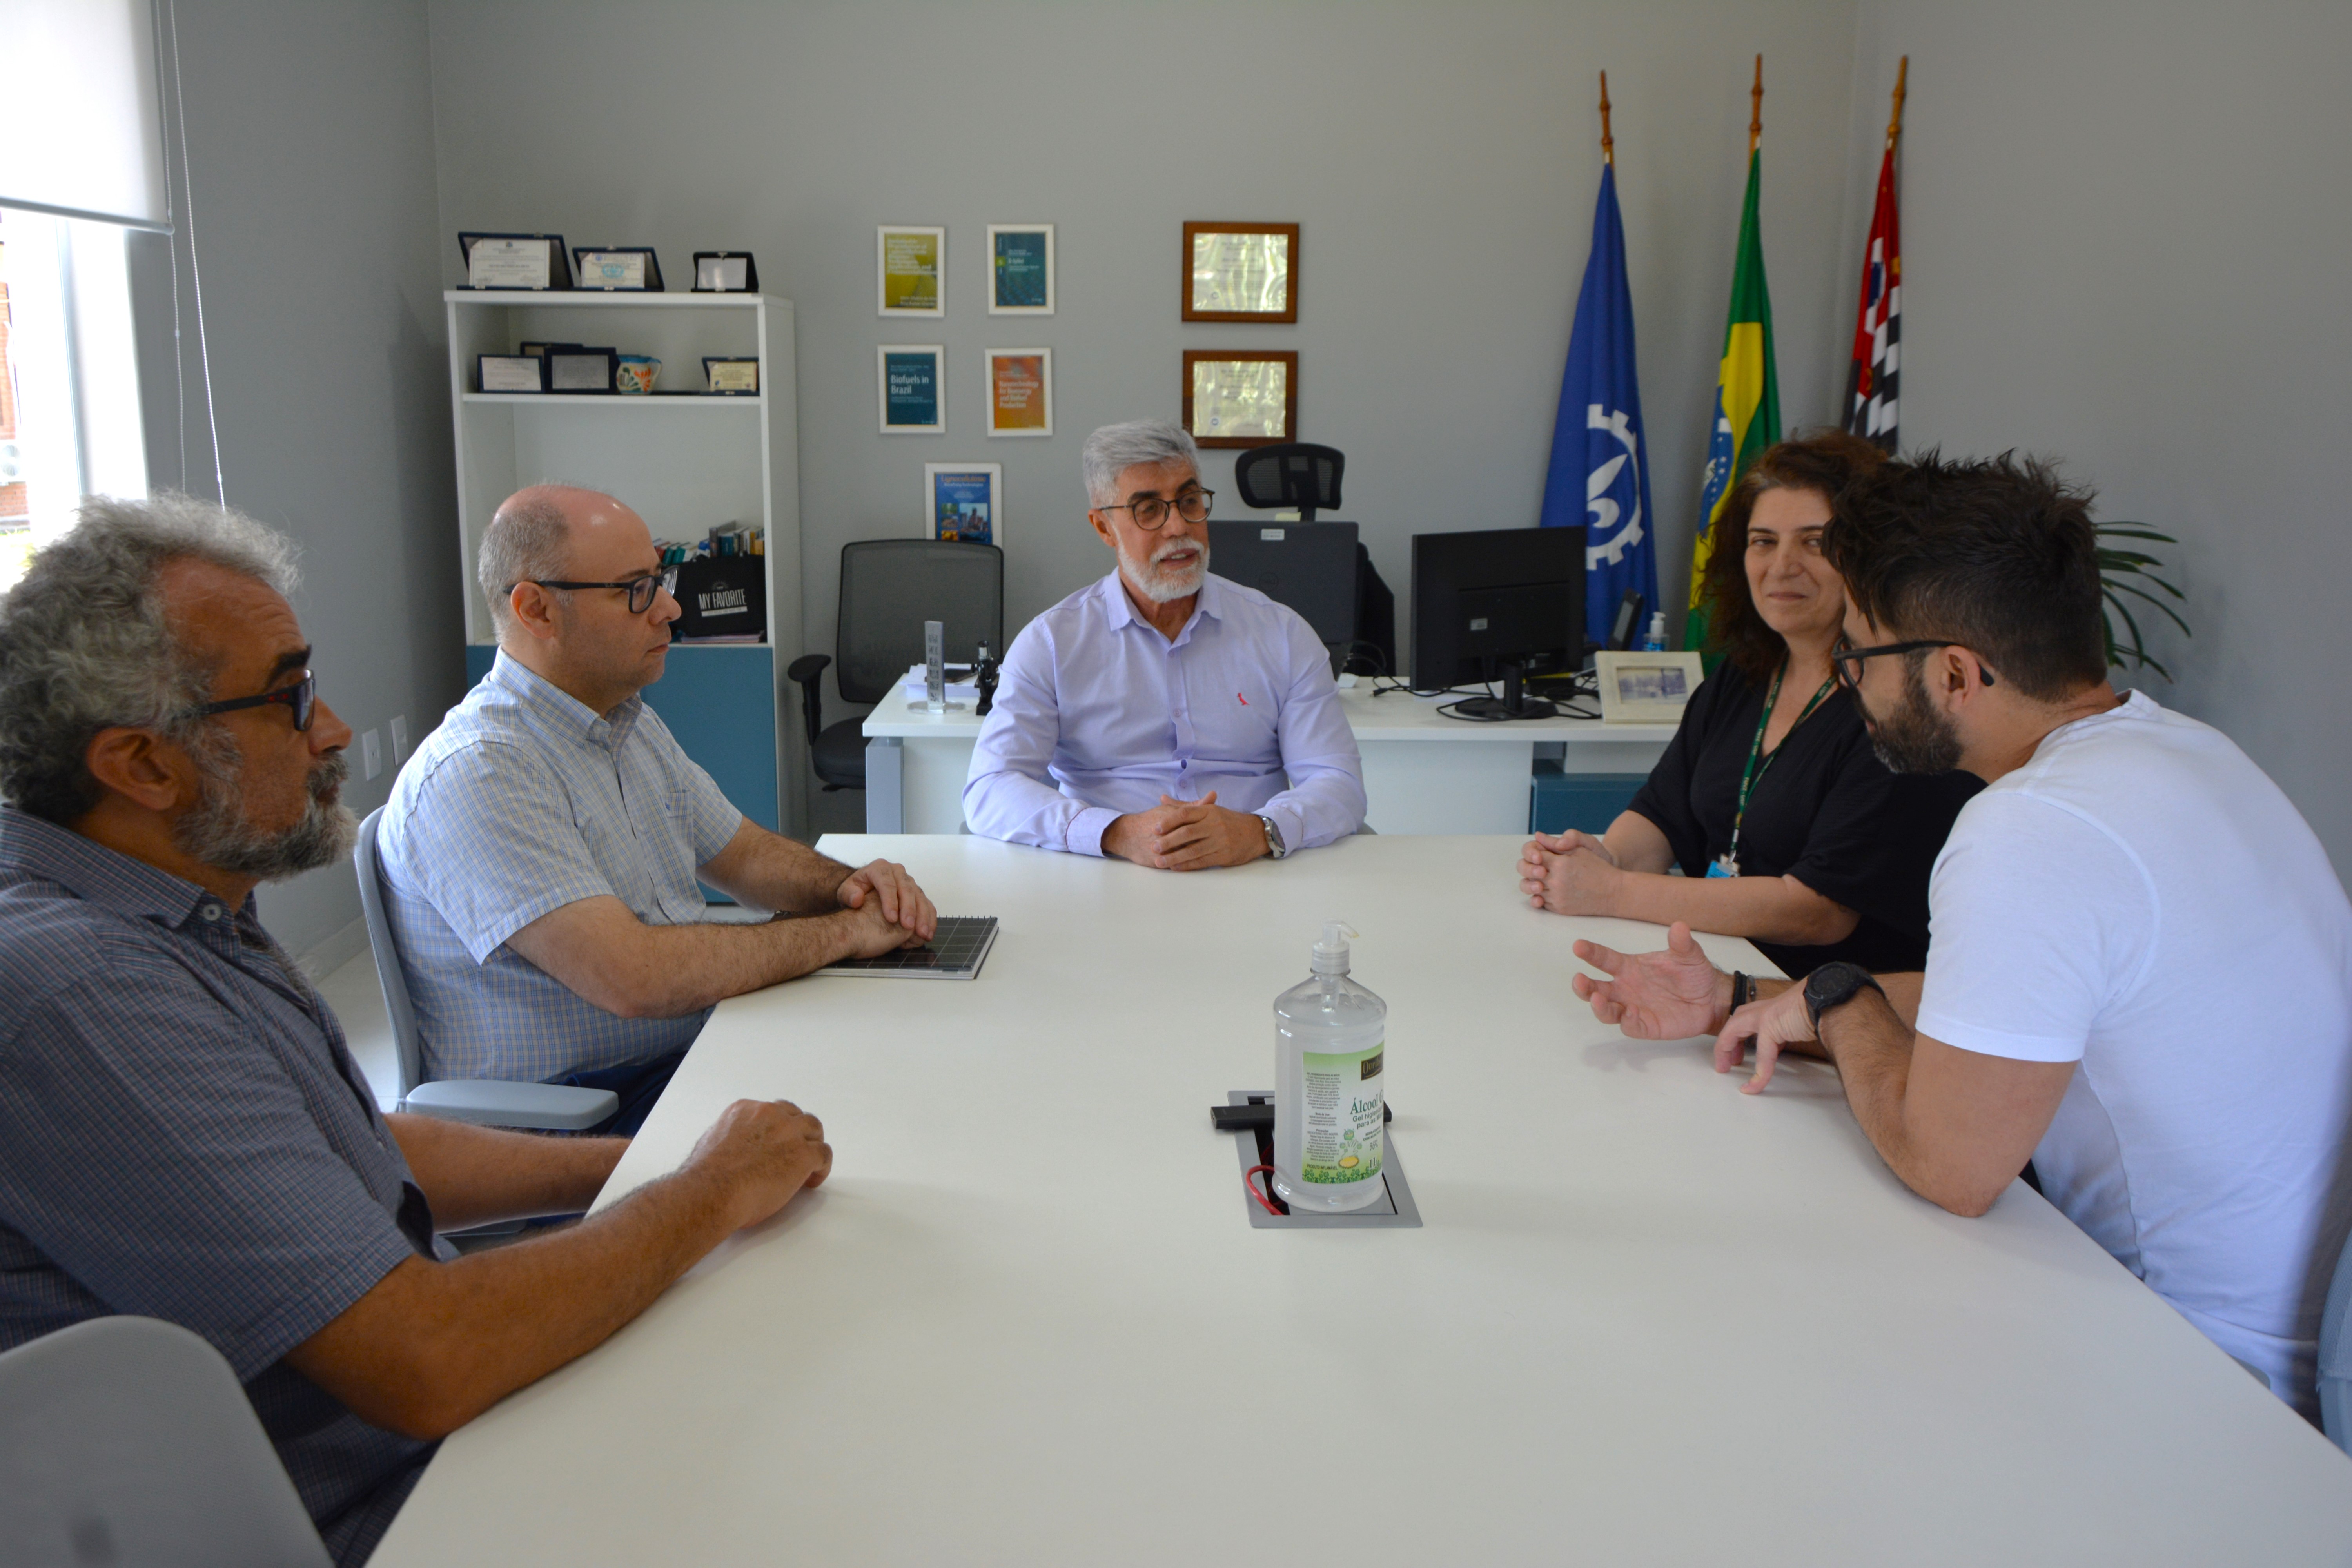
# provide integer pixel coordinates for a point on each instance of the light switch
(370, 754)
(399, 738)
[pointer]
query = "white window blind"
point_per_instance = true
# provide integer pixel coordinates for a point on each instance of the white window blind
(84, 137)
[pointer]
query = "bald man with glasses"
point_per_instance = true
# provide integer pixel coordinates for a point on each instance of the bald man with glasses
(544, 851)
(1163, 715)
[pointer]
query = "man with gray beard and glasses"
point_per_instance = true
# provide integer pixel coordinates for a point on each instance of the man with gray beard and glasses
(1164, 715)
(182, 1133)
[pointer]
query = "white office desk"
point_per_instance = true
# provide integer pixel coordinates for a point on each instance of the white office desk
(1649, 1320)
(1424, 773)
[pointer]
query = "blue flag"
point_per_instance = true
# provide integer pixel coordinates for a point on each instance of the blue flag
(1599, 471)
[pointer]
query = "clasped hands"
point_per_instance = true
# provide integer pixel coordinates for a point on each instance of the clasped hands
(1186, 835)
(1676, 994)
(898, 913)
(1571, 873)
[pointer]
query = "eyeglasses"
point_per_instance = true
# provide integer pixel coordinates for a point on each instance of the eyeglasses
(641, 589)
(1847, 661)
(301, 698)
(1150, 513)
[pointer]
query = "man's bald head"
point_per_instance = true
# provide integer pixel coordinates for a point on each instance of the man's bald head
(533, 536)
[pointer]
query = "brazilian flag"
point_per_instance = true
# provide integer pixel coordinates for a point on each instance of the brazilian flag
(1747, 393)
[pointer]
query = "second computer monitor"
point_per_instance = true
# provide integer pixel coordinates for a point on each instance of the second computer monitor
(1496, 597)
(1309, 566)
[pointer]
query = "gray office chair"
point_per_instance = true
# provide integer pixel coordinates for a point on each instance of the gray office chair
(1294, 474)
(484, 1101)
(889, 587)
(127, 1440)
(2335, 1355)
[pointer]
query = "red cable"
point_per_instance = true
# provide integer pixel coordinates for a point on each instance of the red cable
(1260, 1198)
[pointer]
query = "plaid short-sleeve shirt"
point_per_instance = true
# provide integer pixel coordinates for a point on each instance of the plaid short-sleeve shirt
(183, 1135)
(523, 801)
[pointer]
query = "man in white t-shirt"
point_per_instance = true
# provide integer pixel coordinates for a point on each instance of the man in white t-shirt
(2140, 966)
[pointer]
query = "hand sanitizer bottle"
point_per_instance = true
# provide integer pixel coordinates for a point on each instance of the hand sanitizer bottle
(1329, 1034)
(1655, 640)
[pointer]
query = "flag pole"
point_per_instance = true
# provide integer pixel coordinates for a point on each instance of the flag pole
(1894, 125)
(1608, 146)
(1756, 107)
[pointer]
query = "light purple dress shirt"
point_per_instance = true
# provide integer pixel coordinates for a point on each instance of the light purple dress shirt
(1097, 715)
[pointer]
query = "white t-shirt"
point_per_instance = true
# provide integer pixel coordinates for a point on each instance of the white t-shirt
(2141, 900)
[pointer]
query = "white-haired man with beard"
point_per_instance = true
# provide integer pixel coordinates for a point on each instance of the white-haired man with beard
(1164, 715)
(183, 1132)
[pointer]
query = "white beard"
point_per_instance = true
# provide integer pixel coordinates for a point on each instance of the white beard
(1162, 586)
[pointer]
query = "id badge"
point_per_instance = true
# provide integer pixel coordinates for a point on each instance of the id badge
(1723, 864)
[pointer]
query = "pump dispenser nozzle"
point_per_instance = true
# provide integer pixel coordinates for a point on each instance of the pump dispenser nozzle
(1330, 954)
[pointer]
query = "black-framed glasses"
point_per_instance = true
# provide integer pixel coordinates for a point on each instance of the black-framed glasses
(641, 590)
(1848, 661)
(1150, 513)
(301, 699)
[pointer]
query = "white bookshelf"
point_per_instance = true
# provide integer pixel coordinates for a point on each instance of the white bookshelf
(684, 460)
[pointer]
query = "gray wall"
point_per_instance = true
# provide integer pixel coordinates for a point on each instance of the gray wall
(2124, 227)
(310, 135)
(1441, 159)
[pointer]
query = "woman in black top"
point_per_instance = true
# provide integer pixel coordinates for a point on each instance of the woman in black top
(1788, 829)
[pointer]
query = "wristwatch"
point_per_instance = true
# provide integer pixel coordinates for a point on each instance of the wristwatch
(1274, 844)
(1834, 985)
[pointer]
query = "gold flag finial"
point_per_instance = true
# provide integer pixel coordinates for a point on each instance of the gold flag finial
(1608, 145)
(1756, 109)
(1894, 124)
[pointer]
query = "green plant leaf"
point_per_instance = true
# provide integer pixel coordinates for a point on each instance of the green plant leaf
(2159, 604)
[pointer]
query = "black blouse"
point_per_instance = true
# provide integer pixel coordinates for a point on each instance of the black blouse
(1826, 812)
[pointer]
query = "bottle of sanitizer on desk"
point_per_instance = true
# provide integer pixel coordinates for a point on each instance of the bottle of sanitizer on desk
(1655, 640)
(1329, 1034)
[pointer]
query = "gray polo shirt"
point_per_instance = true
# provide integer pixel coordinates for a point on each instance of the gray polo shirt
(184, 1136)
(522, 801)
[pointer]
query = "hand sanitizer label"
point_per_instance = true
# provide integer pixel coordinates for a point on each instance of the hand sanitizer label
(1339, 1139)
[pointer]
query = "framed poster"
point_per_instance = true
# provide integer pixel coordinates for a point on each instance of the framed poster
(1019, 392)
(910, 382)
(1241, 397)
(910, 270)
(1021, 270)
(1240, 272)
(963, 501)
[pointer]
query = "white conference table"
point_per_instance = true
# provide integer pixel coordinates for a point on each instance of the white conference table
(1424, 773)
(1648, 1319)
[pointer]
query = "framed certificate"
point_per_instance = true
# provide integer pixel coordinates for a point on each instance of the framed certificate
(1646, 688)
(725, 272)
(1019, 392)
(515, 260)
(913, 391)
(963, 501)
(1240, 272)
(631, 267)
(1239, 397)
(731, 376)
(1021, 270)
(509, 373)
(910, 270)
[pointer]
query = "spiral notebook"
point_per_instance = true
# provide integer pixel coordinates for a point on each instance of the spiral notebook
(955, 951)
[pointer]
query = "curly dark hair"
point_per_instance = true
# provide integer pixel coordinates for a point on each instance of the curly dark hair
(1999, 555)
(1823, 461)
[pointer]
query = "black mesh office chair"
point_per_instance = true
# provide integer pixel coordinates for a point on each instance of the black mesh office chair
(889, 587)
(1297, 474)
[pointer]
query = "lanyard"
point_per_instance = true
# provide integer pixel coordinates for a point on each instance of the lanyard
(1754, 772)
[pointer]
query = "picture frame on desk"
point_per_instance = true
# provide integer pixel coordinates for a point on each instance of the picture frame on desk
(1240, 272)
(518, 261)
(910, 382)
(910, 270)
(1241, 397)
(1020, 391)
(964, 501)
(1646, 688)
(1021, 270)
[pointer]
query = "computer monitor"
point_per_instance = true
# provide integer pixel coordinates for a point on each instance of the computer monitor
(1506, 602)
(1309, 566)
